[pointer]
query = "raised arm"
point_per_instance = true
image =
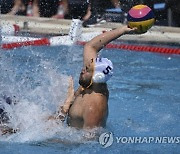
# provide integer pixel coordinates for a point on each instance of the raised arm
(96, 44)
(63, 110)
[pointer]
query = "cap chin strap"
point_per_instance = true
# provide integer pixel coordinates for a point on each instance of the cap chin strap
(89, 84)
(83, 88)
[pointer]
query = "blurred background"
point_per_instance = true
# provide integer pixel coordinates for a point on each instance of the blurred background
(90, 12)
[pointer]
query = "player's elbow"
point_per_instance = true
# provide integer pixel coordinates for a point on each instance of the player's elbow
(90, 46)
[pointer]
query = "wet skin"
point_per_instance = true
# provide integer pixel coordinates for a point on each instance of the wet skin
(90, 107)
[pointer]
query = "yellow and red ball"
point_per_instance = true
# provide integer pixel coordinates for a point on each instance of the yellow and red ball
(142, 17)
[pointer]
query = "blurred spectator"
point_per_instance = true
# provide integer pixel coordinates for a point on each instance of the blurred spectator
(45, 8)
(6, 6)
(50, 8)
(39, 8)
(77, 9)
(174, 5)
(100, 6)
(97, 10)
(126, 5)
(19, 7)
(60, 8)
(161, 12)
(13, 7)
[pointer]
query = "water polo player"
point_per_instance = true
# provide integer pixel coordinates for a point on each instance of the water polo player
(88, 106)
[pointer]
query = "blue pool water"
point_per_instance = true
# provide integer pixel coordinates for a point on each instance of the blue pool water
(144, 100)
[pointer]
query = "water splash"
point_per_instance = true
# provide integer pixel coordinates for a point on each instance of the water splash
(34, 104)
(37, 87)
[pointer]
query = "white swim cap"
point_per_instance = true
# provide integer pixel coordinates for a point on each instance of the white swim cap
(103, 70)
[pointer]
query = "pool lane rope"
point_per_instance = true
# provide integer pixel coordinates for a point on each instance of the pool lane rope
(39, 42)
(145, 48)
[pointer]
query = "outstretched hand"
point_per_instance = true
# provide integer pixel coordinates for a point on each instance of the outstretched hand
(70, 93)
(128, 30)
(70, 96)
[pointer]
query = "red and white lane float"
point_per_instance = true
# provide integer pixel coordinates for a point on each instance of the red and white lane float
(10, 29)
(76, 37)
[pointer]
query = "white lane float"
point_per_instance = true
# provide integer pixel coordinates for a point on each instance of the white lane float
(12, 39)
(9, 29)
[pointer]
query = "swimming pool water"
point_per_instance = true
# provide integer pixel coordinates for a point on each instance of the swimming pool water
(144, 99)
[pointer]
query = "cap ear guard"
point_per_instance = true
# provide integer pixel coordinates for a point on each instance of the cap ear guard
(99, 77)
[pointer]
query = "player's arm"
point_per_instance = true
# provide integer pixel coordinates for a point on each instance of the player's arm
(96, 44)
(71, 95)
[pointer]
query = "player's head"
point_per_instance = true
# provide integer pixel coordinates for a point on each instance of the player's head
(99, 70)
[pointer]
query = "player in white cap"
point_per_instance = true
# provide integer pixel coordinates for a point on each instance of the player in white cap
(88, 106)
